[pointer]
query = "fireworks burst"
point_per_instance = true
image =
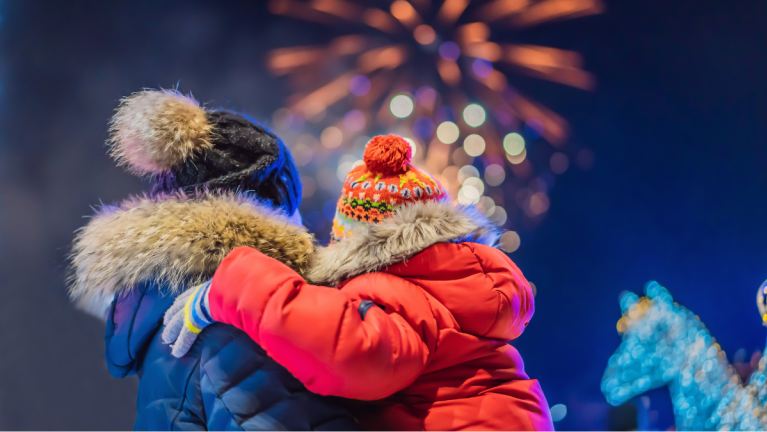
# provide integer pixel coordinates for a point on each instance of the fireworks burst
(429, 71)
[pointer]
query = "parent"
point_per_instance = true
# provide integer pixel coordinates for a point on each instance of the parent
(221, 181)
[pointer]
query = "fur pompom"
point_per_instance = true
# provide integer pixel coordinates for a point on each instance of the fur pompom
(387, 154)
(156, 130)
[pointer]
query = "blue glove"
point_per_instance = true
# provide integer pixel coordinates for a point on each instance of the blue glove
(186, 318)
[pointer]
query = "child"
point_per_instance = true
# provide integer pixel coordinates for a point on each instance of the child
(211, 168)
(420, 319)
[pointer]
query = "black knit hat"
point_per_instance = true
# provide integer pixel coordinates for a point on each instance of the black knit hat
(169, 136)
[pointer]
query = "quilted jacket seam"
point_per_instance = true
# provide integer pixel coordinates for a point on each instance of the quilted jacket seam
(498, 292)
(234, 385)
(218, 396)
(182, 402)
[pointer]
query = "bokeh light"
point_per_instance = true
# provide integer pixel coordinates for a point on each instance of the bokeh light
(460, 157)
(424, 34)
(449, 51)
(354, 120)
(426, 97)
(468, 195)
(499, 216)
(559, 163)
(466, 172)
(518, 159)
(331, 137)
(423, 127)
(303, 150)
(359, 85)
(486, 205)
(482, 68)
(510, 241)
(401, 106)
(474, 145)
(438, 75)
(308, 187)
(474, 115)
(345, 164)
(537, 204)
(495, 174)
(514, 144)
(448, 132)
(476, 183)
(413, 146)
(558, 412)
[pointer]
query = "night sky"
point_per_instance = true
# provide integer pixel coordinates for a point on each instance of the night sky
(677, 124)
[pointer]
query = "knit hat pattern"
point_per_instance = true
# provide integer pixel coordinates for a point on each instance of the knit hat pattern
(383, 182)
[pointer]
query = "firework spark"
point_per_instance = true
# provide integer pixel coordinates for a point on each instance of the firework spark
(431, 71)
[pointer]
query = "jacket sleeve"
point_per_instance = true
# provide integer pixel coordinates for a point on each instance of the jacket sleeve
(318, 333)
(515, 300)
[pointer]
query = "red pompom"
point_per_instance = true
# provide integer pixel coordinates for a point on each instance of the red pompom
(387, 155)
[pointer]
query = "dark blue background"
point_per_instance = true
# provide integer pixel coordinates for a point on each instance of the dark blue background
(677, 123)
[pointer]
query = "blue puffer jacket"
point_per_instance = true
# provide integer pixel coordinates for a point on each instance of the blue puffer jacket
(226, 382)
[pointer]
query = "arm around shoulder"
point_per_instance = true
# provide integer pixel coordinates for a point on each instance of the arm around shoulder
(317, 333)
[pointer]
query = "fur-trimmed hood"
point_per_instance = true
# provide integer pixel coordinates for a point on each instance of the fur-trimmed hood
(412, 228)
(177, 240)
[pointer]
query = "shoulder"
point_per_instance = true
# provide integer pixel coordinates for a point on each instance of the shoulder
(490, 258)
(454, 261)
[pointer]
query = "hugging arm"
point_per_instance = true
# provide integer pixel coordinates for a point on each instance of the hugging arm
(325, 337)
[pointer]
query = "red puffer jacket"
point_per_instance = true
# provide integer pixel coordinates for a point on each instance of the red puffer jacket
(419, 323)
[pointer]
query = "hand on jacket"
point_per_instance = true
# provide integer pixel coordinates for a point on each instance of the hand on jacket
(186, 318)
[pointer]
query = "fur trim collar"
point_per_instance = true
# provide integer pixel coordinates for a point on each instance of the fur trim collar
(176, 240)
(413, 228)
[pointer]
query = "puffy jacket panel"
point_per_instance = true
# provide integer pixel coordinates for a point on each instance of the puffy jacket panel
(225, 382)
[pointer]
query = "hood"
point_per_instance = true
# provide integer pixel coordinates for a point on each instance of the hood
(412, 228)
(484, 291)
(175, 241)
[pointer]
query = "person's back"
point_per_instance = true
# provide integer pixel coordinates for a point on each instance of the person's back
(419, 323)
(138, 256)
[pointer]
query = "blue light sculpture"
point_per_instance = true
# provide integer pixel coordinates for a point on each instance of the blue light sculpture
(665, 344)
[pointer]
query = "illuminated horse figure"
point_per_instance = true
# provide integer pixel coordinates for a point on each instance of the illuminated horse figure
(666, 344)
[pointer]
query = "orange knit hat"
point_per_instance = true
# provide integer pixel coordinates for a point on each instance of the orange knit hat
(383, 182)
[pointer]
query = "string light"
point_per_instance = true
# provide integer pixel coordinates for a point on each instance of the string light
(665, 344)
